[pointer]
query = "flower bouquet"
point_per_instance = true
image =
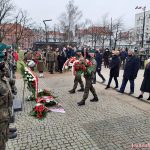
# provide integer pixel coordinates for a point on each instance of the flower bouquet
(85, 67)
(44, 92)
(39, 111)
(69, 63)
(48, 101)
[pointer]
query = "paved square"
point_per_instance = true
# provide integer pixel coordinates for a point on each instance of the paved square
(113, 123)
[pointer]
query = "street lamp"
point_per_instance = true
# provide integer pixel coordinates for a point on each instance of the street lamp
(44, 21)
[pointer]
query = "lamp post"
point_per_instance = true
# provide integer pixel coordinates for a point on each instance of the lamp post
(143, 28)
(110, 40)
(44, 21)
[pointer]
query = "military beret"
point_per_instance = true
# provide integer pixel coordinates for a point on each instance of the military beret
(77, 51)
(92, 51)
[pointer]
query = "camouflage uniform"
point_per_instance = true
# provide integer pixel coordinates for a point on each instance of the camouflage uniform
(89, 80)
(78, 79)
(5, 109)
(51, 60)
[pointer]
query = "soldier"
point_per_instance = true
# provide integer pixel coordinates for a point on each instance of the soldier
(89, 82)
(51, 59)
(78, 78)
(5, 104)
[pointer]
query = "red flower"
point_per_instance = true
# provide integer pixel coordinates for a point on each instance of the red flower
(39, 115)
(89, 63)
(84, 68)
(41, 108)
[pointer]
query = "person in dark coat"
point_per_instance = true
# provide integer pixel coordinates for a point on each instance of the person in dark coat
(98, 59)
(114, 69)
(60, 59)
(145, 87)
(123, 56)
(130, 71)
(106, 58)
(70, 52)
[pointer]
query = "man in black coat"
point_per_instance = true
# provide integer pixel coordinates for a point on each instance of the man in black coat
(114, 68)
(106, 58)
(130, 71)
(98, 59)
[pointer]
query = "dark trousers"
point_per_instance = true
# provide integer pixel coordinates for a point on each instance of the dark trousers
(115, 79)
(60, 66)
(99, 73)
(88, 87)
(106, 63)
(123, 63)
(76, 81)
(51, 66)
(124, 83)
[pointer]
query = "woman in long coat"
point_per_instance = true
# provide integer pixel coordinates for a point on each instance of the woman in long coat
(145, 87)
(114, 69)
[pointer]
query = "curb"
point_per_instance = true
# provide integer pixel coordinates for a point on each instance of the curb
(143, 100)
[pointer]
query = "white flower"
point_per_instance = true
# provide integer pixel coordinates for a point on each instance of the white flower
(38, 104)
(66, 67)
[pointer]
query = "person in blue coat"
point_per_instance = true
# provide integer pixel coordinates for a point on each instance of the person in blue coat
(130, 71)
(114, 68)
(99, 59)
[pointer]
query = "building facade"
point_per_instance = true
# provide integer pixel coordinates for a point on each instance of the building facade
(139, 21)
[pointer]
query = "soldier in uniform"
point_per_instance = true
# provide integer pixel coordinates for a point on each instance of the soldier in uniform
(5, 104)
(89, 81)
(78, 78)
(51, 60)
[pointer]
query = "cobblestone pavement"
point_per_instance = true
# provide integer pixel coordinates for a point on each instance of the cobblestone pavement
(113, 123)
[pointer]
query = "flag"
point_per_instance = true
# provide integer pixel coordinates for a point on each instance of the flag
(137, 7)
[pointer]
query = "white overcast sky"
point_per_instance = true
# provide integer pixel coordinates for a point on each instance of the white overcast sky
(39, 10)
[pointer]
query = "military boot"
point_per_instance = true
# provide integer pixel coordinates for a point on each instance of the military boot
(82, 102)
(81, 90)
(72, 91)
(95, 99)
(12, 135)
(12, 130)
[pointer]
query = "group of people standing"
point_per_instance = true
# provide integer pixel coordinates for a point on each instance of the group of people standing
(8, 59)
(54, 59)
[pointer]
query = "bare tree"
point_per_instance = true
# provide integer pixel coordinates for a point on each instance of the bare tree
(117, 28)
(6, 9)
(69, 19)
(23, 26)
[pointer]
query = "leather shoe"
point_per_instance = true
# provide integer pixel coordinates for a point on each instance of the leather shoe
(140, 96)
(148, 98)
(121, 92)
(107, 87)
(131, 93)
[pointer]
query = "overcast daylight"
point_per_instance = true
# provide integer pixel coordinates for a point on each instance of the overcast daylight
(91, 9)
(74, 74)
